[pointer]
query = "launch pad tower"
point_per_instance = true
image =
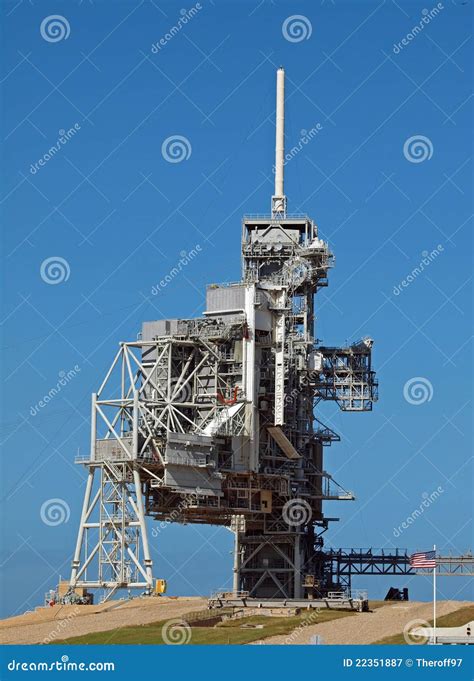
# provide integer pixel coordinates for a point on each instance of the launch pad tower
(212, 420)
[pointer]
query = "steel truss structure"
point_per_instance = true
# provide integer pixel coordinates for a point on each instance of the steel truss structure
(213, 420)
(344, 563)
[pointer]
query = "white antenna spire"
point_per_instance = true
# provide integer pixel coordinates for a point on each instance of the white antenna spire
(279, 198)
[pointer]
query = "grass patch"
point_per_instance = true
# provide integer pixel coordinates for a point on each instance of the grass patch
(455, 619)
(228, 632)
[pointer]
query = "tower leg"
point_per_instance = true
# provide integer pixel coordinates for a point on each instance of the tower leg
(80, 535)
(141, 517)
(268, 568)
(112, 533)
(297, 577)
(236, 575)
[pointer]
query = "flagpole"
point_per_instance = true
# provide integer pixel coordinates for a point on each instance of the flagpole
(434, 597)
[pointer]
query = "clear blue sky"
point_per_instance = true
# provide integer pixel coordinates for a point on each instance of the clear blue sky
(119, 214)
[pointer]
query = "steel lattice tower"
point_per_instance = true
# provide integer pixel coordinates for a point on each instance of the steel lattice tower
(212, 420)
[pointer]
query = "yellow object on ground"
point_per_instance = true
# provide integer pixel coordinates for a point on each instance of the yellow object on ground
(160, 586)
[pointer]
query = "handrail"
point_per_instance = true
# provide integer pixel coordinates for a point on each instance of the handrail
(267, 216)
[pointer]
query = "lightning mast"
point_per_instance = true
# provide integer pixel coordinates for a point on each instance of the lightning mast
(279, 198)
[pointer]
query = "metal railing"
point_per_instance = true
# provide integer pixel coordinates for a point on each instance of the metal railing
(270, 218)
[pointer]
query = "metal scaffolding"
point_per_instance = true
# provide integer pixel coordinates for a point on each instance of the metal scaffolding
(214, 420)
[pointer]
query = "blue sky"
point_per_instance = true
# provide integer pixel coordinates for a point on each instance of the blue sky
(118, 214)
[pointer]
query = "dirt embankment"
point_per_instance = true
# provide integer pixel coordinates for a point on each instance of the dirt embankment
(366, 627)
(46, 625)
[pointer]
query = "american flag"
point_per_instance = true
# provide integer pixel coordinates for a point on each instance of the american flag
(423, 559)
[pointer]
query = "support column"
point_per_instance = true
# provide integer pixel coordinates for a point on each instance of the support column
(141, 517)
(279, 338)
(80, 535)
(236, 571)
(297, 590)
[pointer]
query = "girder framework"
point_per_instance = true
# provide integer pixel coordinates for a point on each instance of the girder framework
(347, 376)
(345, 563)
(210, 419)
(112, 541)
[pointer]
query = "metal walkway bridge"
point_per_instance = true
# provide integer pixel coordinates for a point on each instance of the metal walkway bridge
(372, 561)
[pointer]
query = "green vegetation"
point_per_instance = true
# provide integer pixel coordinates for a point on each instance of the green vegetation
(454, 619)
(228, 632)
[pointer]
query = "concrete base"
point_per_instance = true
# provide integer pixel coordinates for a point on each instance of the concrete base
(226, 601)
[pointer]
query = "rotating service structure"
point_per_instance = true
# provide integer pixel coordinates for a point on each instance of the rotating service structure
(214, 420)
